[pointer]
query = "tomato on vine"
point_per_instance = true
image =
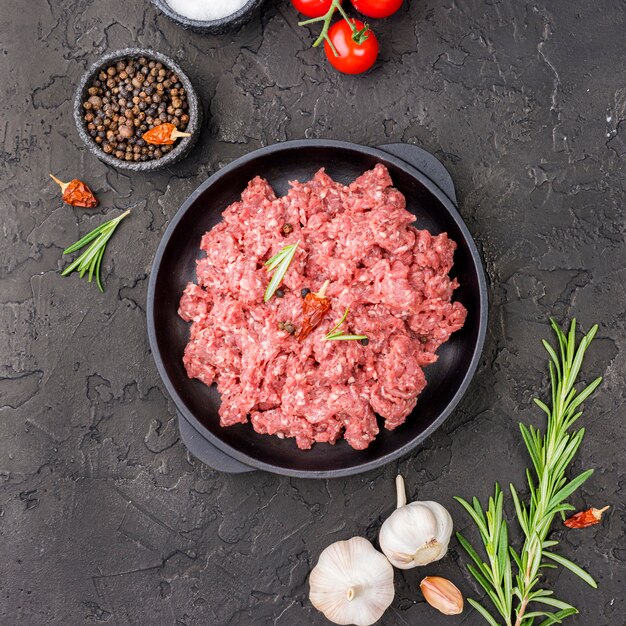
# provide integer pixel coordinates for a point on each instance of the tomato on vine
(312, 8)
(349, 44)
(377, 8)
(351, 47)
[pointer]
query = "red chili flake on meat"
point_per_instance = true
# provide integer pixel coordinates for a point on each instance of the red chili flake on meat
(314, 308)
(585, 518)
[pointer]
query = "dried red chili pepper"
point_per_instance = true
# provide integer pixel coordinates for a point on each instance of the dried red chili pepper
(585, 518)
(314, 308)
(163, 134)
(76, 193)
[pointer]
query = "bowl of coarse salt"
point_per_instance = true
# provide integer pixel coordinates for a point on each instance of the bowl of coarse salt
(209, 16)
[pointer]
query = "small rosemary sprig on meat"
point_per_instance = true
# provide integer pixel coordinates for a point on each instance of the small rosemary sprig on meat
(279, 264)
(338, 335)
(91, 259)
(516, 597)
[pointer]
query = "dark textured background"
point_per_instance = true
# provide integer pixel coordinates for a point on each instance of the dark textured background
(104, 517)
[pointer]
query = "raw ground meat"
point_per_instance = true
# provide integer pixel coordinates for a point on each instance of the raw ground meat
(393, 277)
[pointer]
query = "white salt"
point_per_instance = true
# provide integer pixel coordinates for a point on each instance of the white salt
(205, 10)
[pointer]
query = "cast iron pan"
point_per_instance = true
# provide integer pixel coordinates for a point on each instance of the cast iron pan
(430, 196)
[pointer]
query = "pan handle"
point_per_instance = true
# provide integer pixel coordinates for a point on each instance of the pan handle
(426, 163)
(207, 452)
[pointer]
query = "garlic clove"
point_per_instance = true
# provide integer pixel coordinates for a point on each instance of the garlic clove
(352, 583)
(415, 534)
(443, 595)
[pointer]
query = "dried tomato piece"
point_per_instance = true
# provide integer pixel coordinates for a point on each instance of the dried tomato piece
(585, 518)
(76, 193)
(314, 308)
(163, 134)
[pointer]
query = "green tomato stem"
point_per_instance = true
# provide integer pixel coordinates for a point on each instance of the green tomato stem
(327, 19)
(345, 17)
(331, 45)
(359, 36)
(312, 20)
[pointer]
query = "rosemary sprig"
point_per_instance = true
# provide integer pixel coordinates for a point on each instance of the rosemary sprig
(551, 454)
(91, 259)
(338, 335)
(279, 264)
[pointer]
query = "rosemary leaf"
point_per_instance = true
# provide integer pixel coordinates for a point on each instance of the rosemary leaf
(339, 323)
(97, 272)
(341, 337)
(338, 335)
(90, 260)
(86, 239)
(488, 617)
(572, 567)
(280, 264)
(277, 258)
(559, 604)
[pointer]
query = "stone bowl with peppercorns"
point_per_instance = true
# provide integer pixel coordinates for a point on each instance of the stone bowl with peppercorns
(125, 94)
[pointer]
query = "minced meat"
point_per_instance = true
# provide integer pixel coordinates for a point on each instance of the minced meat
(393, 277)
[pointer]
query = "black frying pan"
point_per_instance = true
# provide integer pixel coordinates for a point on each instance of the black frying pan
(430, 196)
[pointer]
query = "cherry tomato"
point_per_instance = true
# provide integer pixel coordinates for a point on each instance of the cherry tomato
(377, 8)
(312, 8)
(357, 50)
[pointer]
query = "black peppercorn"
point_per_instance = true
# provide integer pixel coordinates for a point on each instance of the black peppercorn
(279, 293)
(364, 342)
(305, 292)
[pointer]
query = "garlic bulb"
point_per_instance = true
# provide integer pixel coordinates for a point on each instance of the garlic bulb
(416, 533)
(352, 583)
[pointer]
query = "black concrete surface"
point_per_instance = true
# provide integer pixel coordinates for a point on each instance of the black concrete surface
(104, 517)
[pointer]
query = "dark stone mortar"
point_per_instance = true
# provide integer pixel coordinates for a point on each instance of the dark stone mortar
(104, 517)
(182, 146)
